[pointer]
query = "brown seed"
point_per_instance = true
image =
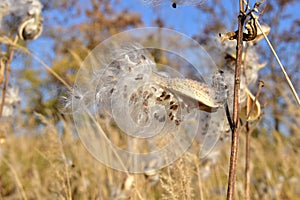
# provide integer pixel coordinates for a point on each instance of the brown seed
(145, 103)
(167, 96)
(145, 94)
(154, 89)
(146, 110)
(163, 94)
(132, 97)
(112, 90)
(150, 95)
(173, 107)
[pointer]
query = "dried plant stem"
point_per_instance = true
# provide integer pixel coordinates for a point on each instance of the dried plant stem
(247, 162)
(138, 193)
(199, 179)
(50, 70)
(107, 139)
(68, 182)
(8, 41)
(280, 64)
(235, 133)
(277, 59)
(248, 138)
(2, 68)
(7, 73)
(114, 151)
(18, 181)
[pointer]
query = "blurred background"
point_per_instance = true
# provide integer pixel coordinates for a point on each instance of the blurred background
(40, 154)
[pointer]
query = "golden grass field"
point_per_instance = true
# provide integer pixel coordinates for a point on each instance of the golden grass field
(45, 165)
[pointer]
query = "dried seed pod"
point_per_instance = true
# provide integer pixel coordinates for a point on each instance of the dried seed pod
(264, 29)
(26, 14)
(192, 89)
(247, 107)
(30, 28)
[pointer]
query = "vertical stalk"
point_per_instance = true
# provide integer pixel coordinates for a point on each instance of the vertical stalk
(7, 73)
(235, 134)
(249, 131)
(247, 163)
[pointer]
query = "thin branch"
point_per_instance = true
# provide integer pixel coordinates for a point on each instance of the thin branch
(8, 41)
(247, 162)
(15, 174)
(248, 168)
(199, 178)
(248, 138)
(278, 60)
(235, 134)
(2, 69)
(247, 5)
(50, 70)
(280, 64)
(7, 73)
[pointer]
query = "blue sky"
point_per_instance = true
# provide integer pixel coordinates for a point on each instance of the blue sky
(188, 19)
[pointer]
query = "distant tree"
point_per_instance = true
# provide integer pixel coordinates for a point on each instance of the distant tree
(72, 29)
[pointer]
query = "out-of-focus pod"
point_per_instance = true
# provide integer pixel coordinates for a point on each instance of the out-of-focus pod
(26, 15)
(31, 28)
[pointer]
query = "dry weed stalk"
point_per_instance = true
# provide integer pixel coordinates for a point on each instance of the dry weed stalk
(235, 133)
(248, 137)
(290, 84)
(10, 53)
(177, 183)
(55, 155)
(16, 176)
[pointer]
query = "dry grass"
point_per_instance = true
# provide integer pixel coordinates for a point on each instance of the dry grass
(49, 166)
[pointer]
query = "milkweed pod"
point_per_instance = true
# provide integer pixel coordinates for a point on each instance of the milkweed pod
(191, 89)
(265, 29)
(246, 108)
(31, 28)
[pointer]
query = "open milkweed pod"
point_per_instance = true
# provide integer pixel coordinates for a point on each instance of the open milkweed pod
(31, 28)
(265, 28)
(191, 89)
(246, 108)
